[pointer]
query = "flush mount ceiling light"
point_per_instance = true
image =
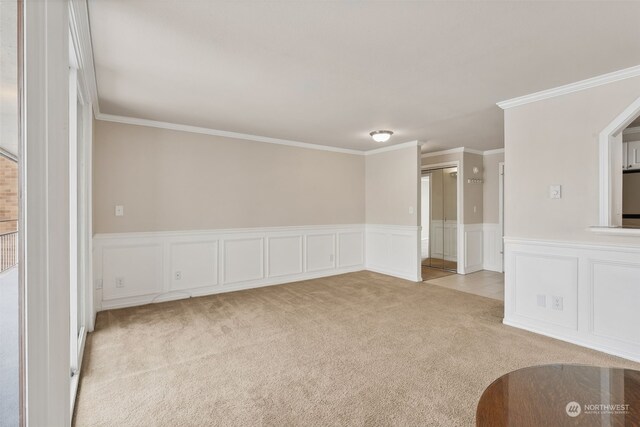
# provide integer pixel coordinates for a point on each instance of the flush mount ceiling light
(381, 135)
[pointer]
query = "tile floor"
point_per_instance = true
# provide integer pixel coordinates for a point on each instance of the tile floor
(484, 283)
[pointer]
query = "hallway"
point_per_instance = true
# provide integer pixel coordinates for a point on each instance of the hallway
(489, 284)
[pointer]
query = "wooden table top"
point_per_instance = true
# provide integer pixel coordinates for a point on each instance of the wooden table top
(562, 395)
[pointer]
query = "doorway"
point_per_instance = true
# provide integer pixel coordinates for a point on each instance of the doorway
(440, 188)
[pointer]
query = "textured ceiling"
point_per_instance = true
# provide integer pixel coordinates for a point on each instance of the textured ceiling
(330, 72)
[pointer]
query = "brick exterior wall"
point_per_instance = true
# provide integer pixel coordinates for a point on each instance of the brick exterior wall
(8, 195)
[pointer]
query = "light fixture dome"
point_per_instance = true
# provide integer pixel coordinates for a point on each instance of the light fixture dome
(381, 135)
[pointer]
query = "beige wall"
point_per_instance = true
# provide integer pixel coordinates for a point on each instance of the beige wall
(392, 187)
(472, 192)
(171, 180)
(491, 188)
(555, 141)
(444, 158)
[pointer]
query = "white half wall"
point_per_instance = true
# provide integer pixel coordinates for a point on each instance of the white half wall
(599, 287)
(492, 247)
(141, 268)
(394, 250)
(472, 259)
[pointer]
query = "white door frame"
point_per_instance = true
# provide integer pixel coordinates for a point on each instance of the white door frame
(501, 212)
(79, 220)
(460, 250)
(44, 254)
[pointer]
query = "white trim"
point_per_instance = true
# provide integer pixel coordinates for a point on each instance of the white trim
(501, 212)
(222, 133)
(570, 339)
(216, 289)
(615, 231)
(620, 247)
(571, 87)
(81, 36)
(188, 233)
(415, 143)
(44, 261)
(605, 140)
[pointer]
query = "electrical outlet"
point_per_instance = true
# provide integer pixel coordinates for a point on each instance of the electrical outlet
(119, 211)
(542, 301)
(555, 191)
(556, 303)
(119, 282)
(98, 284)
(331, 258)
(178, 275)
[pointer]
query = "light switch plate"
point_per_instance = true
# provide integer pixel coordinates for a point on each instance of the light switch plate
(119, 210)
(555, 191)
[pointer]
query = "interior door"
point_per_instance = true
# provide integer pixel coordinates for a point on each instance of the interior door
(437, 221)
(450, 206)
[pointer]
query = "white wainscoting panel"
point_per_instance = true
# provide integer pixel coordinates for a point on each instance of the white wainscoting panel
(285, 255)
(492, 247)
(321, 252)
(615, 299)
(243, 260)
(141, 268)
(394, 250)
(132, 269)
(551, 276)
(193, 264)
(350, 249)
(472, 247)
(599, 286)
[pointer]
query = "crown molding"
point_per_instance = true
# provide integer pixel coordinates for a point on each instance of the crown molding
(81, 38)
(222, 133)
(393, 147)
(631, 131)
(572, 87)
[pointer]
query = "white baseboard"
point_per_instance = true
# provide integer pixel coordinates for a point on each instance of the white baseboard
(598, 284)
(394, 250)
(212, 290)
(573, 340)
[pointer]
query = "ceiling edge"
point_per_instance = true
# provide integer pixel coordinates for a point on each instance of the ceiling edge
(571, 87)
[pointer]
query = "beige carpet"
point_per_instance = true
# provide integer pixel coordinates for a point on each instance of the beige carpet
(351, 350)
